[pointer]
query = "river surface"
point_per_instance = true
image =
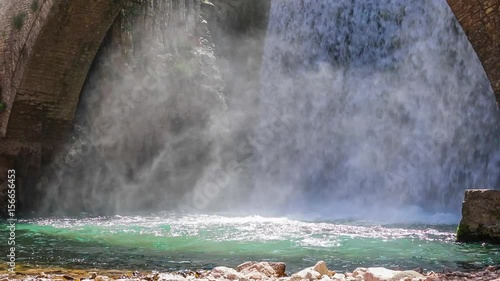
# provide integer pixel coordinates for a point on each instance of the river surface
(166, 242)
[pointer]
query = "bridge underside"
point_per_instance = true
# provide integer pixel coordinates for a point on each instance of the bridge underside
(47, 48)
(480, 20)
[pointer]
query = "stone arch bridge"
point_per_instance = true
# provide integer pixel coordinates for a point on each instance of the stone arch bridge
(48, 46)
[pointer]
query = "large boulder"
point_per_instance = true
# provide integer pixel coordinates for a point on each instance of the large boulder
(480, 216)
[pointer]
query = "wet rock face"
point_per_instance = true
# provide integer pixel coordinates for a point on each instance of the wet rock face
(480, 216)
(242, 16)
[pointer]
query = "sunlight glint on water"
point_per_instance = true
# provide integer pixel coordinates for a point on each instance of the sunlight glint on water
(164, 242)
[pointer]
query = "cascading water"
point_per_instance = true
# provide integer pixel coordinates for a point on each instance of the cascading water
(363, 105)
(384, 104)
(143, 132)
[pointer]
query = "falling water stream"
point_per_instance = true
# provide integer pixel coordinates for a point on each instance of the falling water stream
(384, 103)
(373, 118)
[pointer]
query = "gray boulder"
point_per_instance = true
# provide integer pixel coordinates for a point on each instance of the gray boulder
(480, 216)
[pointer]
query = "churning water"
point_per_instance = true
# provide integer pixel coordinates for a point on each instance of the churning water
(164, 242)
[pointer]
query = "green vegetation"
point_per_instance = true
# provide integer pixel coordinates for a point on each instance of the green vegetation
(466, 234)
(34, 6)
(18, 20)
(3, 106)
(463, 232)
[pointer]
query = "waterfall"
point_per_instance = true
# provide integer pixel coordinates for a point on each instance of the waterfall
(143, 132)
(361, 108)
(385, 104)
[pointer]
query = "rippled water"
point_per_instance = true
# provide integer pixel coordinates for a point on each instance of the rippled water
(165, 242)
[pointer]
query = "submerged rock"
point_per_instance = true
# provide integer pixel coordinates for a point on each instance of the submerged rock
(480, 216)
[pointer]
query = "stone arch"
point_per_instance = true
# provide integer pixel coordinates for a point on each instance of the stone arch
(46, 50)
(46, 57)
(480, 20)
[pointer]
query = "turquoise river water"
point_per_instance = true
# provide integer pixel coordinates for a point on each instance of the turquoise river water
(166, 242)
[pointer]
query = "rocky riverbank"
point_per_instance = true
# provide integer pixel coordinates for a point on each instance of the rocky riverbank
(256, 271)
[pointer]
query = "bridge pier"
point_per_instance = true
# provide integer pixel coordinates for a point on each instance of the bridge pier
(25, 160)
(28, 168)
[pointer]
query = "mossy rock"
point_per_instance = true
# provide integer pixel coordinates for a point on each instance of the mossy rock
(480, 234)
(464, 233)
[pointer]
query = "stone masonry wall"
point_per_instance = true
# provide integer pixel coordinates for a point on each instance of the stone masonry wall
(481, 22)
(46, 48)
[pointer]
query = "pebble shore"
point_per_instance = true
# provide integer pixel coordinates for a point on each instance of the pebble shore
(260, 271)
